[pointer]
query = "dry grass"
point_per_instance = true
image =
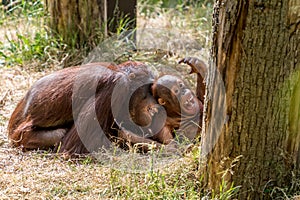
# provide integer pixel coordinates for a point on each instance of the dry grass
(46, 175)
(36, 176)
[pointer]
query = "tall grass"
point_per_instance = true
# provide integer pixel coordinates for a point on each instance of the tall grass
(27, 41)
(24, 37)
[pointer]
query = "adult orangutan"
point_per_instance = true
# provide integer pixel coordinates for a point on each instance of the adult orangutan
(71, 109)
(81, 109)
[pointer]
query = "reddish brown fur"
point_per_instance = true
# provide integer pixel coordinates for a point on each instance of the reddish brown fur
(185, 124)
(44, 117)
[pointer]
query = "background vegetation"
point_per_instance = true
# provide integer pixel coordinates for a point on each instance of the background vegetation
(26, 40)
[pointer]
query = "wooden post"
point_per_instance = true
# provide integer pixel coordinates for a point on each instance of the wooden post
(116, 9)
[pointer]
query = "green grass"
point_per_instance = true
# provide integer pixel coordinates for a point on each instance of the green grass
(23, 35)
(26, 39)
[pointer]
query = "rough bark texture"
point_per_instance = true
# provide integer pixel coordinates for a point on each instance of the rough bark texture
(81, 22)
(77, 22)
(256, 50)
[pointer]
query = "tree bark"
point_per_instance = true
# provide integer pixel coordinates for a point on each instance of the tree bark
(81, 23)
(76, 22)
(256, 54)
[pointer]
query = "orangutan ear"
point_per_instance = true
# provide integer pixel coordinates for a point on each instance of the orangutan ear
(161, 101)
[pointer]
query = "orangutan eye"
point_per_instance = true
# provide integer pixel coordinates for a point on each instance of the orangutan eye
(176, 91)
(181, 84)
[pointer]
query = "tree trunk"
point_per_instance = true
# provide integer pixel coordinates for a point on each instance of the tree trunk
(77, 22)
(84, 22)
(256, 53)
